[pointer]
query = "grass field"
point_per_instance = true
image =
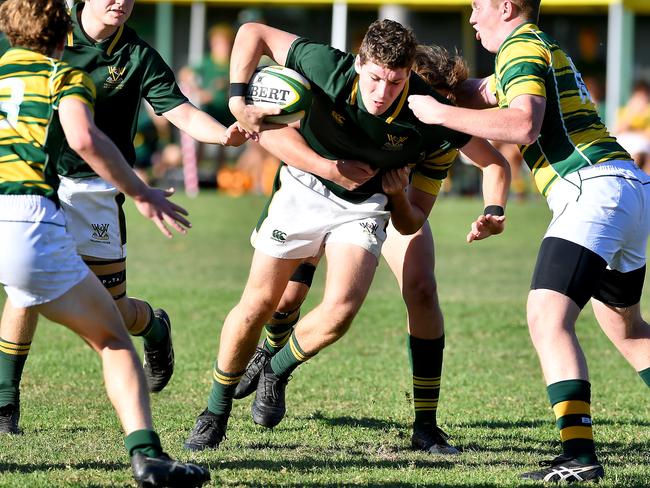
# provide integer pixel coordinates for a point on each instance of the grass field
(349, 409)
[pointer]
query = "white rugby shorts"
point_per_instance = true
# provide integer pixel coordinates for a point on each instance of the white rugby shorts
(93, 216)
(605, 208)
(38, 259)
(304, 214)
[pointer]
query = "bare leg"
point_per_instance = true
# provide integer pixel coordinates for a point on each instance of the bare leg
(90, 312)
(411, 259)
(627, 330)
(349, 274)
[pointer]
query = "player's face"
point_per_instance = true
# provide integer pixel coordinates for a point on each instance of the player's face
(379, 86)
(485, 20)
(110, 12)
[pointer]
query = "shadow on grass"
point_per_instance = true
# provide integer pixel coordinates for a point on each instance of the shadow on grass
(347, 421)
(9, 468)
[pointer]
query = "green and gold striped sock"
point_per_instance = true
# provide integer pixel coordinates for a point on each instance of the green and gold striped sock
(223, 388)
(12, 362)
(645, 375)
(570, 400)
(278, 334)
(426, 365)
(289, 358)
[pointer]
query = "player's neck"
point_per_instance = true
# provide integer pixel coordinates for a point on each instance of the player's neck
(94, 28)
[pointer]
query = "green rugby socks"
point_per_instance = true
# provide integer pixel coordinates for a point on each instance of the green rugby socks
(425, 356)
(645, 376)
(289, 358)
(144, 441)
(223, 389)
(12, 362)
(571, 404)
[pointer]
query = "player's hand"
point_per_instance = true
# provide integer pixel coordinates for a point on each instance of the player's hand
(250, 117)
(426, 108)
(156, 206)
(486, 226)
(235, 135)
(394, 181)
(351, 174)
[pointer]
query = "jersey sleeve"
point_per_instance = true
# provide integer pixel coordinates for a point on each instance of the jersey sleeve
(323, 65)
(521, 68)
(427, 175)
(71, 82)
(159, 84)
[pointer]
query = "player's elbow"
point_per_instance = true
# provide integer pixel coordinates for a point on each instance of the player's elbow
(81, 141)
(527, 134)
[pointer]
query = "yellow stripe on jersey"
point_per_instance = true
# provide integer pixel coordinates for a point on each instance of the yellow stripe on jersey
(19, 171)
(402, 101)
(115, 40)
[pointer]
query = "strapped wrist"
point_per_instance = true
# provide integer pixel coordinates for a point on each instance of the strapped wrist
(238, 89)
(494, 210)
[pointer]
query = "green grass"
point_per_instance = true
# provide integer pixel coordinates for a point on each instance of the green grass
(349, 409)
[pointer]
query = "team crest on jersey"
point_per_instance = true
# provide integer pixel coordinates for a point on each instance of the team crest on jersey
(338, 117)
(115, 77)
(395, 143)
(100, 232)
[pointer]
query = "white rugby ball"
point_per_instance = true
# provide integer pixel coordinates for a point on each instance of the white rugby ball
(277, 86)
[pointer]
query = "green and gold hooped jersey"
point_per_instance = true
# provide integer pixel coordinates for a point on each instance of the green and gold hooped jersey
(338, 126)
(125, 69)
(529, 62)
(31, 88)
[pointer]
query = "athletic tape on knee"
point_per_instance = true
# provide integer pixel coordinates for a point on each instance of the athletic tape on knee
(112, 274)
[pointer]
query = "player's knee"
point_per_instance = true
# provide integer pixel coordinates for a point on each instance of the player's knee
(421, 294)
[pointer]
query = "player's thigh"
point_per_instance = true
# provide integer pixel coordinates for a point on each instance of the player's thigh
(350, 270)
(267, 280)
(88, 310)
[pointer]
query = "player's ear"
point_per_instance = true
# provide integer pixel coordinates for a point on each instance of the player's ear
(357, 64)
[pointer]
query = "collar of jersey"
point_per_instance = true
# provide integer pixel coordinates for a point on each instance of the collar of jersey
(517, 30)
(18, 53)
(78, 35)
(398, 104)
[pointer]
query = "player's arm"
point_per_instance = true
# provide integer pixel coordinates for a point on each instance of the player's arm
(288, 145)
(496, 184)
(520, 123)
(251, 43)
(204, 128)
(476, 93)
(410, 207)
(107, 161)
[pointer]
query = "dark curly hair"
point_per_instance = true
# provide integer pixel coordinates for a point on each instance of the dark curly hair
(388, 44)
(39, 25)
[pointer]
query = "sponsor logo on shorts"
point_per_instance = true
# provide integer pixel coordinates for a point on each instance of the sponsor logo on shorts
(100, 232)
(395, 143)
(115, 77)
(278, 235)
(369, 227)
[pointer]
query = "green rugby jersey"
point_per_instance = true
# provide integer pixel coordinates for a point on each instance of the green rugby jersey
(4, 43)
(572, 135)
(31, 87)
(125, 69)
(337, 126)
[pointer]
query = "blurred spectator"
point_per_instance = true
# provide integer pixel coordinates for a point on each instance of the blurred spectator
(633, 125)
(597, 92)
(213, 74)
